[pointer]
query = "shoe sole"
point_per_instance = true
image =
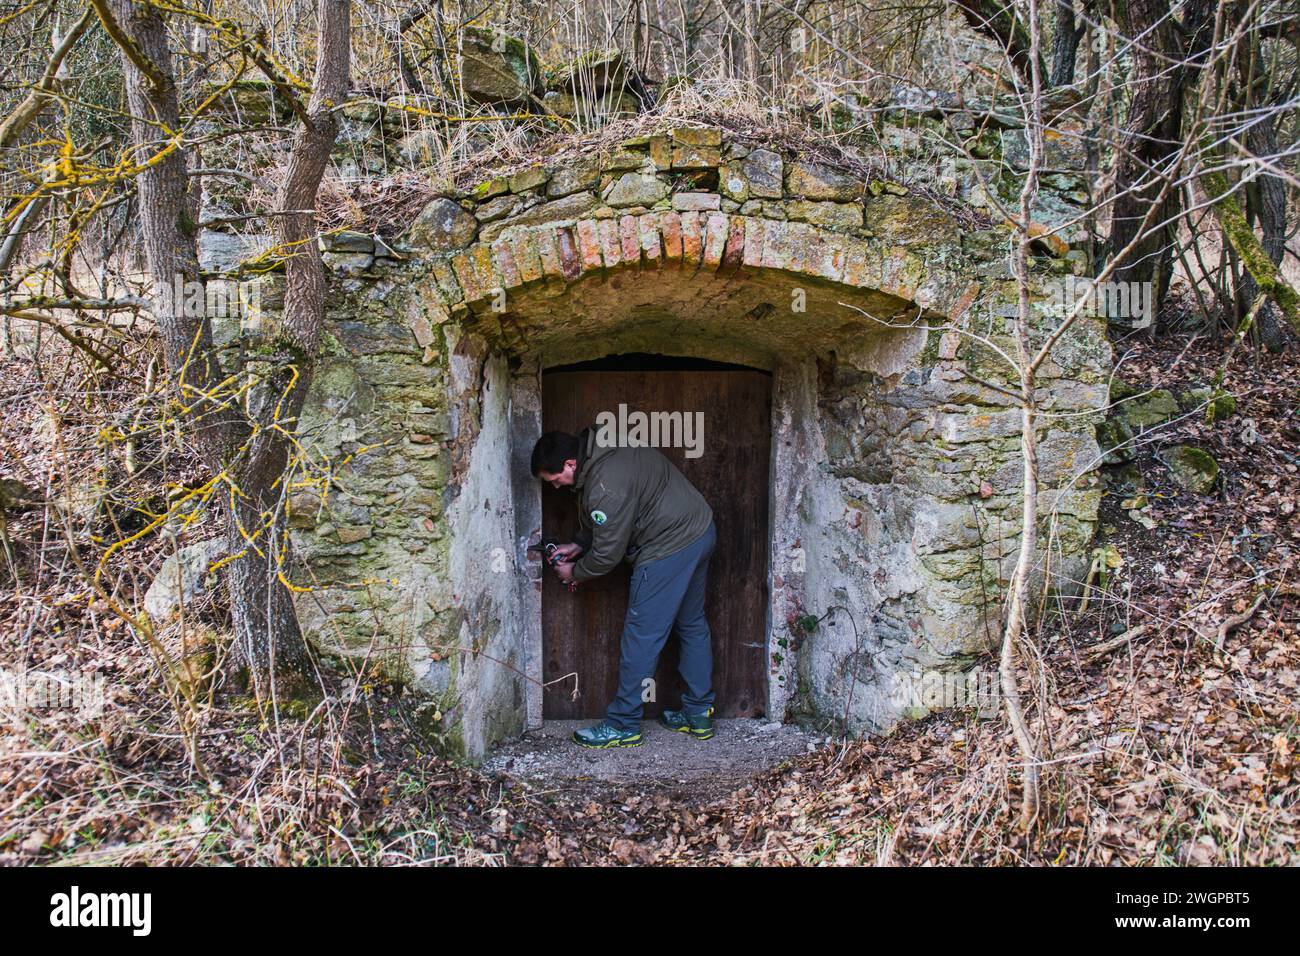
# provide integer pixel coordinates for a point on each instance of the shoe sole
(697, 734)
(613, 744)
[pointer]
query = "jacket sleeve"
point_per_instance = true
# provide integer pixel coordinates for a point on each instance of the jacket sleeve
(582, 538)
(608, 540)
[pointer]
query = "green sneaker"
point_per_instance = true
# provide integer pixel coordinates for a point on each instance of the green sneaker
(699, 726)
(605, 735)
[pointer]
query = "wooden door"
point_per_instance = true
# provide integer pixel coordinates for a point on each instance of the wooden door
(580, 632)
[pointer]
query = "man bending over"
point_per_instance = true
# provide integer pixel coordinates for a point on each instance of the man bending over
(634, 503)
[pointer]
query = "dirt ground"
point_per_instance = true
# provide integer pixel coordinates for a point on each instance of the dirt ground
(741, 749)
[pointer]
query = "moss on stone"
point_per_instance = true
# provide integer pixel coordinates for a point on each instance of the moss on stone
(1191, 468)
(1242, 238)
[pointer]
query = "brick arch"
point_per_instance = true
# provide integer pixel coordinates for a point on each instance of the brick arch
(514, 289)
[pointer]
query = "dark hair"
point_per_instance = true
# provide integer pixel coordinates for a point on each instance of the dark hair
(551, 452)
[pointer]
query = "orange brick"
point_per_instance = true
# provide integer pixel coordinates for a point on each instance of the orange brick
(610, 243)
(734, 252)
(589, 256)
(651, 245)
(548, 251)
(753, 241)
(776, 249)
(672, 227)
(715, 239)
(446, 278)
(527, 257)
(567, 244)
(857, 262)
(504, 259)
(630, 231)
(801, 238)
(467, 276)
(692, 240)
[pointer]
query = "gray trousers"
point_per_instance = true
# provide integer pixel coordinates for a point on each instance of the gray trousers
(665, 593)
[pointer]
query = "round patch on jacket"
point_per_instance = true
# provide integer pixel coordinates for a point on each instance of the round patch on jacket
(599, 517)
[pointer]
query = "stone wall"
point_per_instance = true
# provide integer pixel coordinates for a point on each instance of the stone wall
(879, 306)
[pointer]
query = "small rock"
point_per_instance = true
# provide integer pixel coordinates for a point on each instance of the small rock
(570, 207)
(613, 104)
(1149, 410)
(1115, 439)
(14, 494)
(697, 136)
(832, 215)
(348, 263)
(814, 181)
(1192, 469)
(763, 168)
(561, 104)
(182, 578)
(573, 177)
(498, 208)
(35, 843)
(223, 252)
(443, 227)
(688, 202)
(347, 241)
(351, 534)
(596, 70)
(490, 187)
(495, 67)
(303, 509)
(908, 219)
(635, 189)
(695, 157)
(1216, 409)
(529, 178)
(732, 183)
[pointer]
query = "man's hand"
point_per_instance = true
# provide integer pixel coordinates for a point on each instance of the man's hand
(564, 571)
(569, 552)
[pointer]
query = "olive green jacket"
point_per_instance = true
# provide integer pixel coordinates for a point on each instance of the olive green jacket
(634, 503)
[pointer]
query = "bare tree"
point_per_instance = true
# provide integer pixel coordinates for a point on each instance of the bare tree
(1066, 34)
(1165, 53)
(248, 449)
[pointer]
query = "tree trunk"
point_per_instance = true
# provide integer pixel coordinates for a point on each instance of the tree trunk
(166, 225)
(997, 20)
(1266, 198)
(1065, 44)
(1151, 138)
(1241, 239)
(269, 647)
(1015, 628)
(268, 651)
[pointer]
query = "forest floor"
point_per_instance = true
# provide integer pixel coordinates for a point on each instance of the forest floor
(1160, 747)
